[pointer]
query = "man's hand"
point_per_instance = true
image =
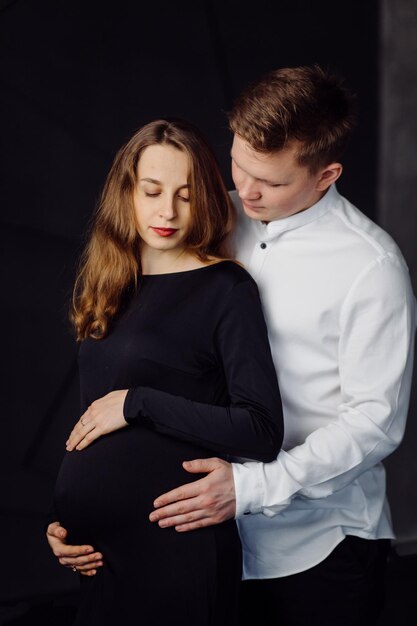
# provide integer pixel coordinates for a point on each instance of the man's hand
(81, 558)
(103, 416)
(205, 502)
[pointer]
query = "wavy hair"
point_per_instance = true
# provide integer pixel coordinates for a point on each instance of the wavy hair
(110, 263)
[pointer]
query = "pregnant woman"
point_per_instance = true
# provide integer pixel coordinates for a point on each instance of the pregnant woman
(174, 364)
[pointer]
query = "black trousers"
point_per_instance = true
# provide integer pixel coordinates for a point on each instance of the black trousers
(346, 589)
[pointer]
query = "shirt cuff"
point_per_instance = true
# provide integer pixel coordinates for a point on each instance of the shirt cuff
(248, 488)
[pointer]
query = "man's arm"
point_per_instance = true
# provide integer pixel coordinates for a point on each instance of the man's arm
(376, 350)
(375, 360)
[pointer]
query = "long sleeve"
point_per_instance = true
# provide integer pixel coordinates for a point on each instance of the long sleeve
(251, 426)
(377, 325)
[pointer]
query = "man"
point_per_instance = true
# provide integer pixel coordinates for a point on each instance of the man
(315, 524)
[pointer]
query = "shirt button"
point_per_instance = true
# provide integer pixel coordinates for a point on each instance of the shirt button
(263, 246)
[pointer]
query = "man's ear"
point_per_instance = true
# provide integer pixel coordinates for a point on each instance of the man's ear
(328, 175)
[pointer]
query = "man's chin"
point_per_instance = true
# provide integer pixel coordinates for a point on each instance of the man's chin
(255, 213)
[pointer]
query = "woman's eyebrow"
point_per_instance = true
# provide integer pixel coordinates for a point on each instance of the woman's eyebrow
(150, 180)
(158, 182)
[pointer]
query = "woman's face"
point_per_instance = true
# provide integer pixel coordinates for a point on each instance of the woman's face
(161, 197)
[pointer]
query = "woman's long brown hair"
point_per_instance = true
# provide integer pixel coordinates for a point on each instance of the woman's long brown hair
(110, 263)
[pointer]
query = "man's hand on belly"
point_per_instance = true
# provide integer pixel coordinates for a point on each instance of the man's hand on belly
(205, 502)
(82, 559)
(103, 416)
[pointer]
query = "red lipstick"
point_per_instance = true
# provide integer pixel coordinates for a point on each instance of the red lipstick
(164, 232)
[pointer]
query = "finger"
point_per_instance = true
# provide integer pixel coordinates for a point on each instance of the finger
(202, 523)
(202, 466)
(83, 572)
(80, 427)
(185, 492)
(86, 421)
(56, 530)
(63, 550)
(80, 561)
(74, 438)
(91, 436)
(90, 566)
(178, 520)
(84, 568)
(183, 507)
(83, 439)
(92, 572)
(78, 434)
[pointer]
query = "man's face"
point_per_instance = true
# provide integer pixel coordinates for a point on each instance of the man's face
(273, 186)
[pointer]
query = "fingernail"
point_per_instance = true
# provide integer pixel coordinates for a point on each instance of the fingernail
(153, 517)
(88, 550)
(163, 523)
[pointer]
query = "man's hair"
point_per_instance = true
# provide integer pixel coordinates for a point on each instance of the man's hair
(305, 104)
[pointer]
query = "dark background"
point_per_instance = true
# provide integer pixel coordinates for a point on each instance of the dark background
(77, 78)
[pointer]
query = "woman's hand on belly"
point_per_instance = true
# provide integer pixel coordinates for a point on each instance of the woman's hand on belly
(81, 559)
(103, 416)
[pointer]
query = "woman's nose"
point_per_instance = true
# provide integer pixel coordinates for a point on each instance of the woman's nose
(167, 210)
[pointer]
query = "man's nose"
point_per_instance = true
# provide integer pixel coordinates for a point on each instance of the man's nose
(249, 189)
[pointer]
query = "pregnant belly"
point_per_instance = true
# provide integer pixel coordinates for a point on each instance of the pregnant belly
(112, 484)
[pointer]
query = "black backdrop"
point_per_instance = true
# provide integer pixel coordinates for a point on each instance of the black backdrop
(77, 78)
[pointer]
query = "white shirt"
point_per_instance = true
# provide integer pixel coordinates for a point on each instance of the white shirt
(341, 317)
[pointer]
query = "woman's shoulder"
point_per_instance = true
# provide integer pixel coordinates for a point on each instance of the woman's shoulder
(231, 273)
(234, 290)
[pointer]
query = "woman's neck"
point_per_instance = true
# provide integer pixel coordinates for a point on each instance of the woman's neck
(168, 261)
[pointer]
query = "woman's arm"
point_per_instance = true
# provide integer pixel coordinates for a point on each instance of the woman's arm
(251, 426)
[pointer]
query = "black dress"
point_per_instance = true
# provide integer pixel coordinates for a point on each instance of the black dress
(192, 348)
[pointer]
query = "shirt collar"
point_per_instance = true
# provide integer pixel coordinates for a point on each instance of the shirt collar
(277, 227)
